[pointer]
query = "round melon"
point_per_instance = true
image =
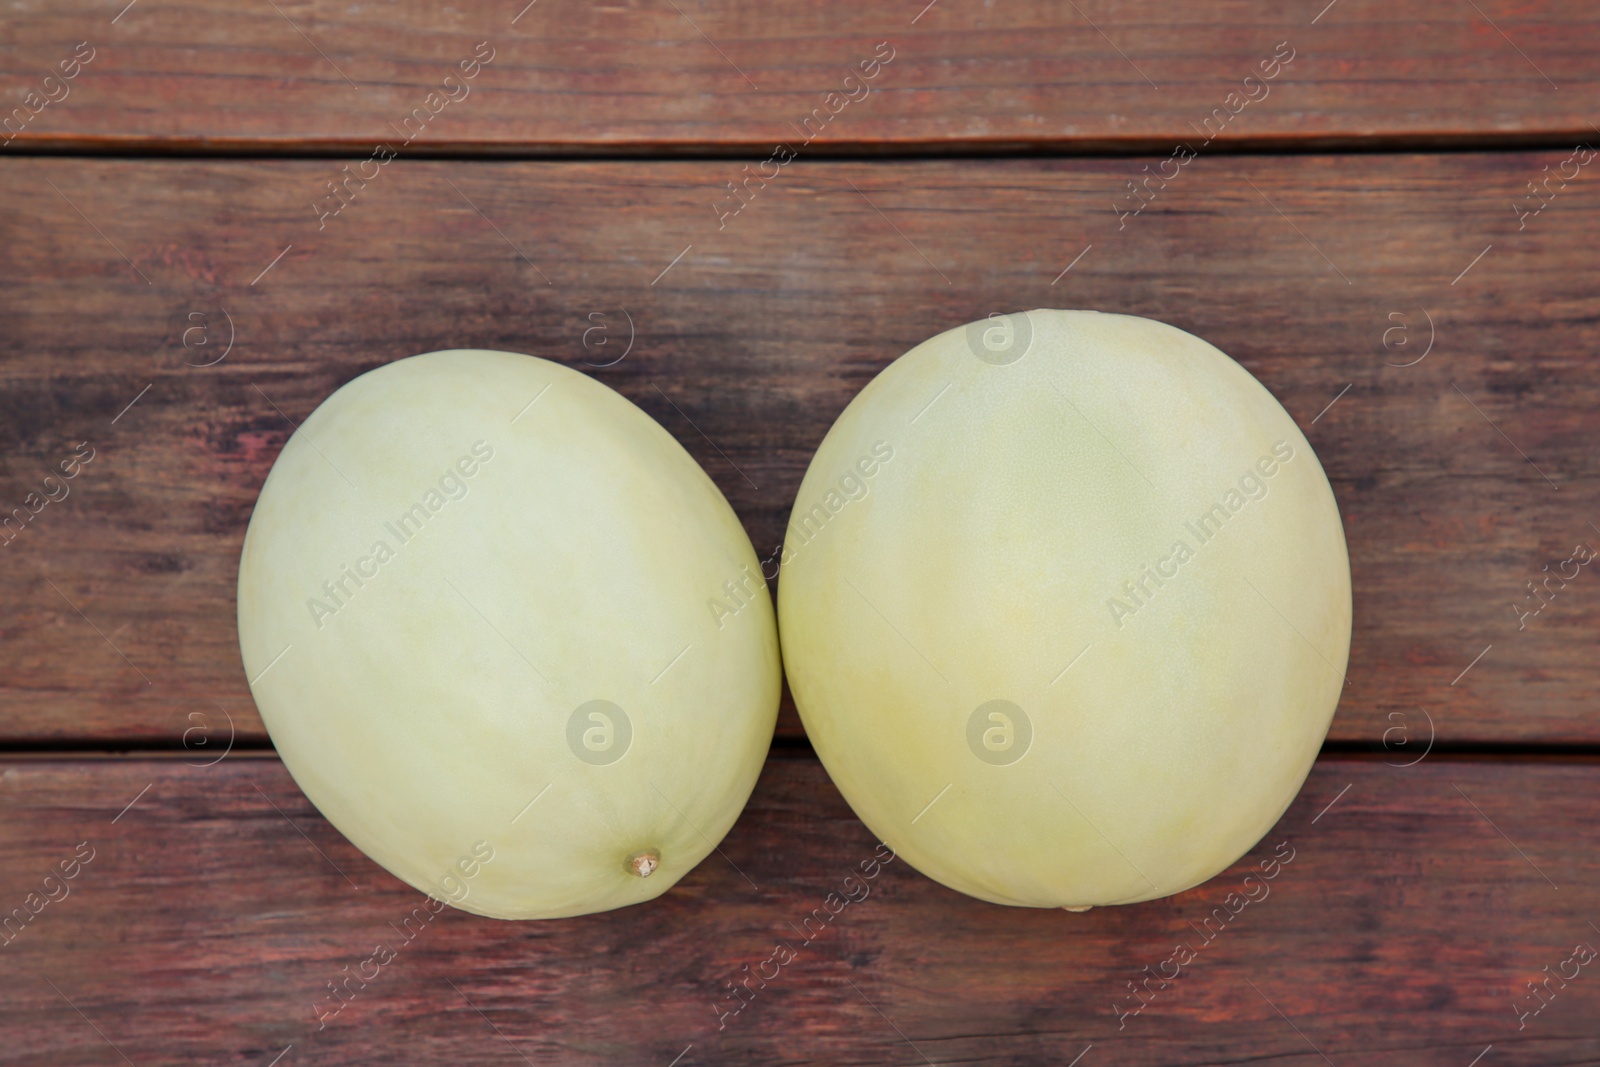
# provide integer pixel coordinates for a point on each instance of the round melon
(507, 635)
(1065, 608)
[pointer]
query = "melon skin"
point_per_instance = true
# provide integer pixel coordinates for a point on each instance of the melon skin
(451, 705)
(996, 526)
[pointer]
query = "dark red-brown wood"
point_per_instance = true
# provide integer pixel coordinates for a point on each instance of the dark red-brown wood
(219, 904)
(693, 74)
(1459, 478)
(206, 928)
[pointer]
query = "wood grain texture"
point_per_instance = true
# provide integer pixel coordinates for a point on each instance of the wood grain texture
(1459, 478)
(209, 75)
(206, 928)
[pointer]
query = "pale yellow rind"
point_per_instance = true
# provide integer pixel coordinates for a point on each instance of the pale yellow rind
(582, 561)
(981, 564)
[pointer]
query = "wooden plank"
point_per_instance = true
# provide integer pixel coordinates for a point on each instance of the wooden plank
(216, 910)
(1460, 477)
(208, 76)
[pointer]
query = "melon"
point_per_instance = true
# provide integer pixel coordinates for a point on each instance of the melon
(1065, 608)
(507, 635)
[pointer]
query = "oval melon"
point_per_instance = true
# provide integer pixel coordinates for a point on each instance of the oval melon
(1065, 608)
(507, 635)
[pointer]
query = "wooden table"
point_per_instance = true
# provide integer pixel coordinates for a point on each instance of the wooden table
(202, 239)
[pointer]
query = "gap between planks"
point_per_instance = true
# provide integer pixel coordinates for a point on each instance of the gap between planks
(842, 151)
